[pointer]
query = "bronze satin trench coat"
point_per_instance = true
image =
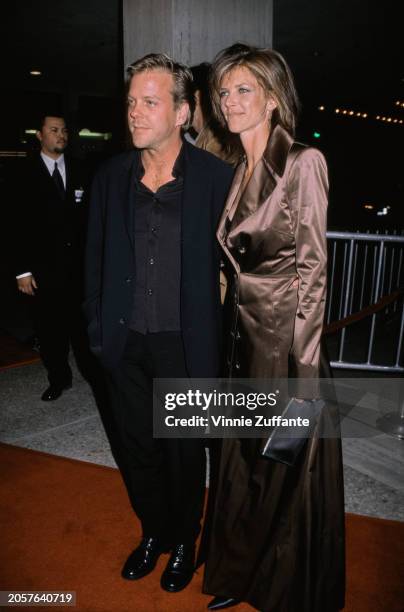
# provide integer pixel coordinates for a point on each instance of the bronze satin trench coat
(276, 534)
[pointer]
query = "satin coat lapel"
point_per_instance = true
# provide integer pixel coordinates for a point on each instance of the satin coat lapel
(265, 176)
(127, 194)
(258, 189)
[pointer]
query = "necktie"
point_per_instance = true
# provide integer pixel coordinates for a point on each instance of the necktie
(57, 177)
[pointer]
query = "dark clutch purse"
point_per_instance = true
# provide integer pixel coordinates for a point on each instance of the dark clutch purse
(285, 442)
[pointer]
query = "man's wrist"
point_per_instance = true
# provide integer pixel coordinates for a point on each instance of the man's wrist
(24, 275)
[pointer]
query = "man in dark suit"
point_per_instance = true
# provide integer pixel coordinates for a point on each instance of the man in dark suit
(153, 303)
(48, 261)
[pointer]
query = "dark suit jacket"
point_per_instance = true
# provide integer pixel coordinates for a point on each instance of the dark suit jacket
(49, 229)
(110, 262)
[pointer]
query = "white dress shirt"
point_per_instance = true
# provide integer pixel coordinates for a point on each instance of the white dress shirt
(50, 164)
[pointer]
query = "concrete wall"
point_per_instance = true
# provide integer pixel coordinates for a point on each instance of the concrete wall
(193, 31)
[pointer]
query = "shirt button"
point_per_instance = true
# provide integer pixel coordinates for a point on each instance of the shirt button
(128, 279)
(150, 292)
(68, 244)
(151, 261)
(122, 321)
(153, 229)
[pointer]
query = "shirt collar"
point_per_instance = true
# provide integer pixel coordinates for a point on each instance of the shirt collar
(178, 168)
(50, 163)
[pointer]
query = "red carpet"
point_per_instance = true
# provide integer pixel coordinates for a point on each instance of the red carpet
(67, 525)
(14, 353)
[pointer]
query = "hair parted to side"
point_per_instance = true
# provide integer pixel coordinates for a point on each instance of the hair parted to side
(182, 77)
(40, 122)
(272, 73)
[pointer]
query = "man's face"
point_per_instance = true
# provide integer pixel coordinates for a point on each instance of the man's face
(53, 136)
(153, 120)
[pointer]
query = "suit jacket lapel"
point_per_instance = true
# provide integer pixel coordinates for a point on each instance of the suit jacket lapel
(69, 180)
(190, 196)
(127, 193)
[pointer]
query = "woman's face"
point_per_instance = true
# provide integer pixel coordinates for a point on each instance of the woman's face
(244, 103)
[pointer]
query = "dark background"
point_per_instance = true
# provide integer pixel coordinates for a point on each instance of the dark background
(345, 55)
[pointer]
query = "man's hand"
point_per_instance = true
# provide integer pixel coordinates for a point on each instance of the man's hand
(27, 284)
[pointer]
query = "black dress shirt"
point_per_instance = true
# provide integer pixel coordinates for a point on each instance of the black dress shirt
(157, 223)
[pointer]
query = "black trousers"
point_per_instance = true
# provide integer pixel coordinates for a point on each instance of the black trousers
(165, 478)
(59, 323)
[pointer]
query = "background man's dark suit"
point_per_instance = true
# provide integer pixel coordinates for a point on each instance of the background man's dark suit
(50, 237)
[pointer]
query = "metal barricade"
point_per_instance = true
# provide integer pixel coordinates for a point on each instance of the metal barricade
(363, 269)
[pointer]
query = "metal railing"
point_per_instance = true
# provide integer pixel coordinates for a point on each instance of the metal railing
(364, 269)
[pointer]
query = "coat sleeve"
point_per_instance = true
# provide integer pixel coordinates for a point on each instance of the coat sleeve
(308, 193)
(24, 221)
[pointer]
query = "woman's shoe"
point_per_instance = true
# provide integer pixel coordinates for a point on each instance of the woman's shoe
(220, 603)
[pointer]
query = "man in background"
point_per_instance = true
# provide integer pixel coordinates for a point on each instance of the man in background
(50, 225)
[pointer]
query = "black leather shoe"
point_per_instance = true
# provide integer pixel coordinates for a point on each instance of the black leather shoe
(54, 391)
(180, 568)
(220, 603)
(143, 559)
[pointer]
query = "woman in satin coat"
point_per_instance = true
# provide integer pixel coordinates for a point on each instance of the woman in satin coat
(276, 536)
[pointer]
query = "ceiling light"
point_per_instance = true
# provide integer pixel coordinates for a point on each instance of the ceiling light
(86, 133)
(35, 72)
(13, 154)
